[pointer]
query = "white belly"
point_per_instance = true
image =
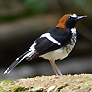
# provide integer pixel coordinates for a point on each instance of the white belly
(54, 55)
(59, 53)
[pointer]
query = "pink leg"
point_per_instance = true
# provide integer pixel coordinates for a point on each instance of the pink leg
(57, 69)
(51, 61)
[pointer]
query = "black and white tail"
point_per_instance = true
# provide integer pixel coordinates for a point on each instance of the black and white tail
(27, 55)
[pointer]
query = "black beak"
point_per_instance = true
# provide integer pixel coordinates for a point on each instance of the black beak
(80, 17)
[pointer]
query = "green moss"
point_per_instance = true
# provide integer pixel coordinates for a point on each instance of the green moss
(17, 88)
(60, 87)
(6, 81)
(1, 89)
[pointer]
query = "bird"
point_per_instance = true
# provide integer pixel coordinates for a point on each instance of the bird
(55, 44)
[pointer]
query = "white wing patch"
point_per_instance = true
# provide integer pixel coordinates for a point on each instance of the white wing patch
(32, 47)
(49, 37)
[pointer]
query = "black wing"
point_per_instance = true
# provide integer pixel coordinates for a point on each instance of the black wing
(43, 45)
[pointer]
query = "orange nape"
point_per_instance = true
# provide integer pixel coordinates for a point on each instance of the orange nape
(62, 21)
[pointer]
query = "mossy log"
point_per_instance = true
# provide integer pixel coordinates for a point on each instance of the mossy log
(65, 83)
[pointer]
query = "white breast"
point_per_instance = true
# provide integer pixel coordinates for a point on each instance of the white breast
(62, 52)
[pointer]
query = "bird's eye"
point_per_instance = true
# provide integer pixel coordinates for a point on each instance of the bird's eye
(69, 17)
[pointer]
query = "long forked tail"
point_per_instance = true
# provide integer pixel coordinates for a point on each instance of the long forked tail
(18, 60)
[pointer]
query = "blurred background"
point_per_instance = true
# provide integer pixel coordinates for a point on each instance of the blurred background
(22, 21)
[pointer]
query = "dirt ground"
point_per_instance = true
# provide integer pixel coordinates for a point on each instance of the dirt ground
(65, 83)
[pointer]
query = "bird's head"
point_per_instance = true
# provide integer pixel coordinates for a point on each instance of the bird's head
(68, 21)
